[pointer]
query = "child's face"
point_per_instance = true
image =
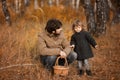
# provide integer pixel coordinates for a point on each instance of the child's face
(78, 28)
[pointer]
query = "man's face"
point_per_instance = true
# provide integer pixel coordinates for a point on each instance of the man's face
(58, 31)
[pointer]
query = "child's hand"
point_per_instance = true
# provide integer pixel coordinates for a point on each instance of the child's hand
(72, 46)
(97, 47)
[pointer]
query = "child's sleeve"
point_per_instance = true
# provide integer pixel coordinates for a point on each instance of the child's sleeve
(91, 40)
(72, 42)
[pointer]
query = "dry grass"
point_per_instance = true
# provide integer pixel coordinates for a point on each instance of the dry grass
(18, 47)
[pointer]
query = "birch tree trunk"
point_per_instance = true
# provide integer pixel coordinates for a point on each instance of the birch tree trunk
(42, 3)
(26, 2)
(90, 17)
(50, 2)
(57, 2)
(18, 6)
(102, 16)
(73, 4)
(116, 11)
(6, 12)
(77, 4)
(67, 3)
(36, 6)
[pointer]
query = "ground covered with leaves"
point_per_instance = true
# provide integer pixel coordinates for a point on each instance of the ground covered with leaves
(18, 55)
(18, 48)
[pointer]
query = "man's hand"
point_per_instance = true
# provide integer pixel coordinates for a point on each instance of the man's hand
(62, 54)
(72, 46)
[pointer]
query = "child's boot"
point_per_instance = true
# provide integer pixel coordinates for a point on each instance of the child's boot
(81, 72)
(88, 72)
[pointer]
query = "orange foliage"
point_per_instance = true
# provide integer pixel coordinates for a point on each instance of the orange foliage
(19, 59)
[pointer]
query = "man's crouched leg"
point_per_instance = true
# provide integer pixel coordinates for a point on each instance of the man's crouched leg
(48, 61)
(71, 57)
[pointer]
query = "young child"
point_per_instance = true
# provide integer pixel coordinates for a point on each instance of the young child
(81, 41)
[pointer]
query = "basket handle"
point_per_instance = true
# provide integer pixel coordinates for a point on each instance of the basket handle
(65, 64)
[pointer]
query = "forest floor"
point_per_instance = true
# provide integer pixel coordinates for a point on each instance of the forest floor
(18, 47)
(18, 55)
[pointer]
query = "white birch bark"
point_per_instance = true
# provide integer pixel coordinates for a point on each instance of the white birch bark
(73, 4)
(57, 2)
(36, 6)
(50, 2)
(77, 4)
(26, 2)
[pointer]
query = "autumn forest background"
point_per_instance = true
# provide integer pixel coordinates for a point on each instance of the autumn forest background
(19, 59)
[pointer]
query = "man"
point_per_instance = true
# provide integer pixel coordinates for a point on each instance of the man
(52, 43)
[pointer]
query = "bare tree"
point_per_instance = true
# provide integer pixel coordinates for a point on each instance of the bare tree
(20, 6)
(116, 11)
(77, 4)
(6, 12)
(90, 17)
(73, 4)
(67, 3)
(41, 3)
(26, 2)
(102, 16)
(50, 3)
(36, 5)
(57, 2)
(17, 6)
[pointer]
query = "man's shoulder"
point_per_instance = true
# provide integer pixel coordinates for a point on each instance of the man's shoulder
(61, 35)
(41, 34)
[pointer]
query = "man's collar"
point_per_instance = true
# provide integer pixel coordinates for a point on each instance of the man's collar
(50, 35)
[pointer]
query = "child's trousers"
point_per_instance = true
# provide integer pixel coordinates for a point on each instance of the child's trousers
(84, 64)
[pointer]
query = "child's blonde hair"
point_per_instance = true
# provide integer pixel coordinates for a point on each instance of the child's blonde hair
(77, 23)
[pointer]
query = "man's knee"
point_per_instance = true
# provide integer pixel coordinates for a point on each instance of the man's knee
(72, 57)
(51, 58)
(48, 59)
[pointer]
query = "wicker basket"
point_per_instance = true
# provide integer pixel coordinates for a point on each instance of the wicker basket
(61, 70)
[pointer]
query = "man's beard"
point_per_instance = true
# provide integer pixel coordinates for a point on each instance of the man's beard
(55, 34)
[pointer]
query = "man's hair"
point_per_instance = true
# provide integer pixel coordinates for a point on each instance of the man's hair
(52, 25)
